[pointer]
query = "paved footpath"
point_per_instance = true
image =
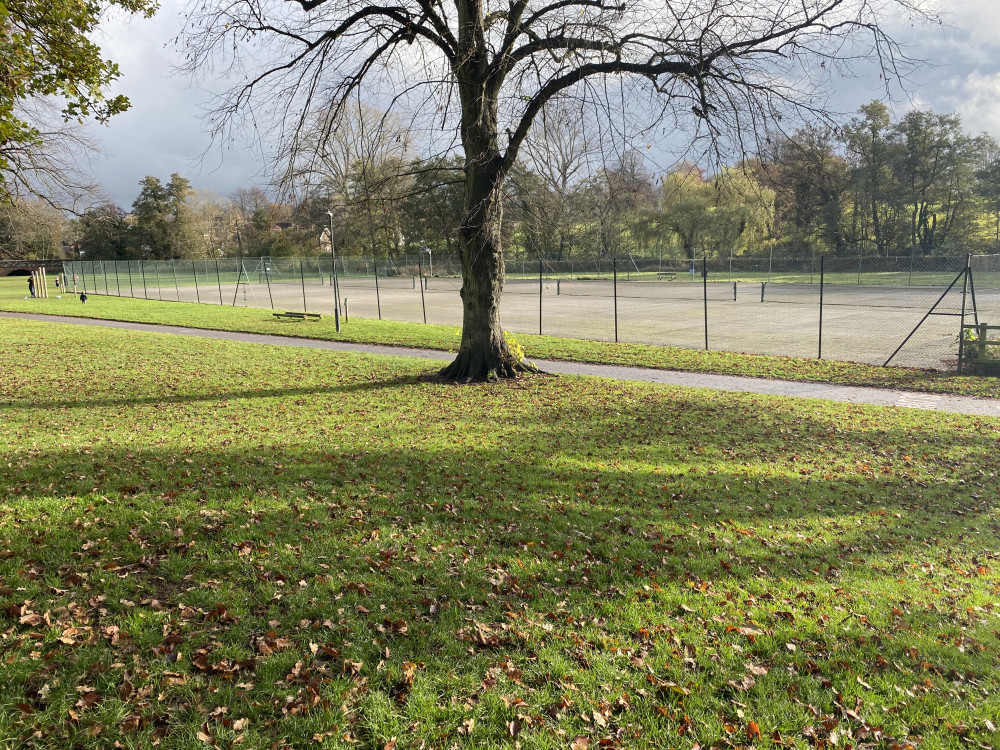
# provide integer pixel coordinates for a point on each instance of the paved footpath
(841, 393)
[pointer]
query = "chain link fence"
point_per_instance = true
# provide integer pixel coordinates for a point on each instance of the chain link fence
(905, 310)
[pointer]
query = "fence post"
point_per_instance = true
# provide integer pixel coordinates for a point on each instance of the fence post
(614, 272)
(420, 272)
(218, 279)
(194, 270)
(131, 288)
(965, 295)
(267, 278)
(159, 289)
(118, 283)
(539, 296)
(240, 268)
(104, 270)
(822, 281)
(336, 288)
(378, 301)
(704, 288)
(302, 276)
(145, 290)
(173, 267)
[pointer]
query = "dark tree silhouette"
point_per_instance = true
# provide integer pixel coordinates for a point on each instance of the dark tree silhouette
(719, 68)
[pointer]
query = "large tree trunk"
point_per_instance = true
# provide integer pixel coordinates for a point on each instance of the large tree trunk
(483, 353)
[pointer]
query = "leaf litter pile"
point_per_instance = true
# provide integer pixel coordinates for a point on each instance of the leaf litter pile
(207, 544)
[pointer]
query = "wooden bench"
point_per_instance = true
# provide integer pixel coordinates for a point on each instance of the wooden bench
(298, 315)
(668, 275)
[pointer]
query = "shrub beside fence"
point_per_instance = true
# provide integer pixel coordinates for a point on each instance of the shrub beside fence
(856, 309)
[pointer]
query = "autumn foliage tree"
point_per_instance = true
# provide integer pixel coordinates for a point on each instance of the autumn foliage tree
(485, 69)
(52, 73)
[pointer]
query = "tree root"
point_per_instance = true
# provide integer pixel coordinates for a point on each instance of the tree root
(467, 368)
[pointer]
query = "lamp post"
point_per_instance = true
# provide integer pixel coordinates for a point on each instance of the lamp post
(336, 285)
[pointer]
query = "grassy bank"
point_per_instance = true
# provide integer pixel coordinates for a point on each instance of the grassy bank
(207, 543)
(360, 330)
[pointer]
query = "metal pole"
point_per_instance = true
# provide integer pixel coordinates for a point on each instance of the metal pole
(83, 276)
(131, 289)
(218, 279)
(267, 278)
(378, 301)
(704, 287)
(822, 280)
(194, 270)
(336, 290)
(420, 271)
(539, 296)
(142, 270)
(965, 285)
(159, 289)
(336, 287)
(336, 282)
(177, 288)
(614, 271)
(961, 325)
(239, 278)
(302, 276)
(104, 269)
(118, 283)
(929, 313)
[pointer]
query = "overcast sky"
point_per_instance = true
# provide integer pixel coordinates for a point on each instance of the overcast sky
(162, 132)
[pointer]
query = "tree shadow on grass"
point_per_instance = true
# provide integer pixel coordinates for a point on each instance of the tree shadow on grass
(626, 530)
(381, 384)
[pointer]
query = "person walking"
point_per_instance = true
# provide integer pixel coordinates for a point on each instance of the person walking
(31, 285)
(57, 283)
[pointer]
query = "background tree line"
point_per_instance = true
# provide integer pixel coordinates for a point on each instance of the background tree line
(919, 185)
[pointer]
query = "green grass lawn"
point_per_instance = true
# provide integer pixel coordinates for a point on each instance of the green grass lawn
(360, 330)
(217, 544)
